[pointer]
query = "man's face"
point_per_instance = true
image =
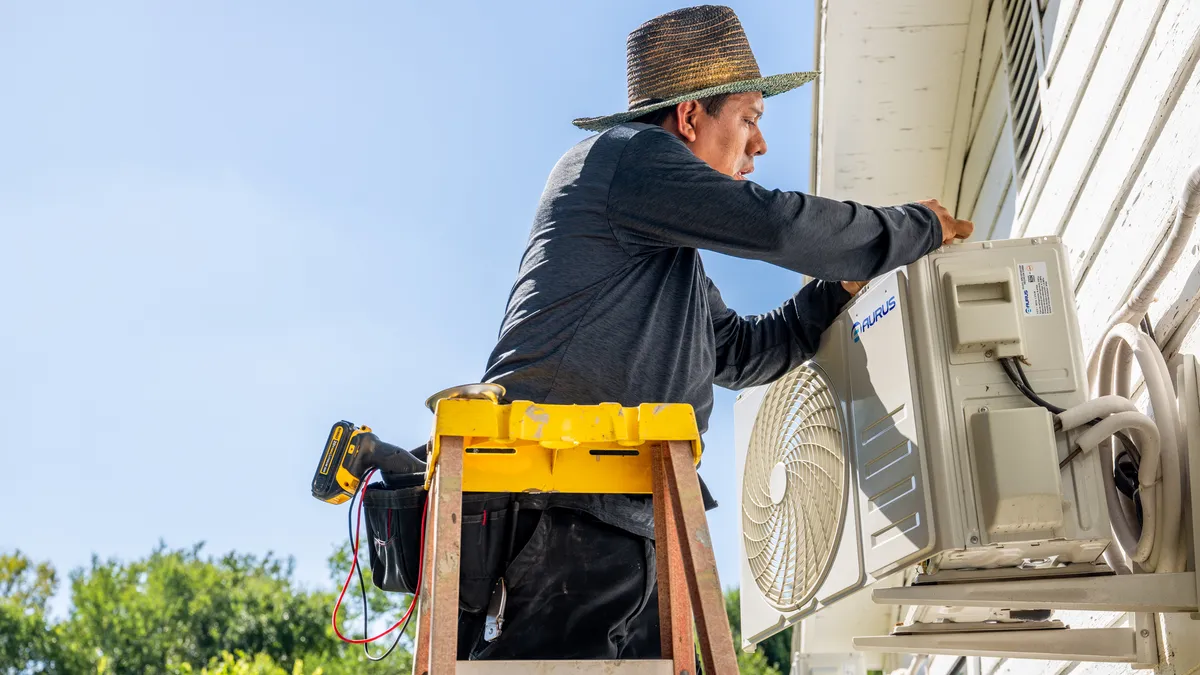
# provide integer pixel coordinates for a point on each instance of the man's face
(730, 140)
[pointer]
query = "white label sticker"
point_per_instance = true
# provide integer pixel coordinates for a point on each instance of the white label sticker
(1035, 289)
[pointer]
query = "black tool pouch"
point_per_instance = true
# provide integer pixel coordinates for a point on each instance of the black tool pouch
(394, 531)
(394, 535)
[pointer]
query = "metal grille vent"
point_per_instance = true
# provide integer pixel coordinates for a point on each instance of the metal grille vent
(1023, 57)
(794, 488)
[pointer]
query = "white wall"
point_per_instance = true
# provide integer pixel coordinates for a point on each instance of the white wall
(1121, 113)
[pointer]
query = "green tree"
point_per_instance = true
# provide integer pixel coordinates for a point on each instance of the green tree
(181, 611)
(244, 664)
(24, 583)
(381, 603)
(176, 607)
(385, 609)
(772, 656)
(29, 642)
(23, 647)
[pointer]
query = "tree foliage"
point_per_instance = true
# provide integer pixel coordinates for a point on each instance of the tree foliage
(180, 612)
(29, 643)
(24, 583)
(177, 607)
(772, 656)
(242, 663)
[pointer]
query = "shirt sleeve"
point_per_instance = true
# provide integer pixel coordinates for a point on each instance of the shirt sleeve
(662, 195)
(753, 350)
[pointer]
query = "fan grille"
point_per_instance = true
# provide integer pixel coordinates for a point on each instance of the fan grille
(791, 528)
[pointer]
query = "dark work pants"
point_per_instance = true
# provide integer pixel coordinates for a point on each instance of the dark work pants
(577, 589)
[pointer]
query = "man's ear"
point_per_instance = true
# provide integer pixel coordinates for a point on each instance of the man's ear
(685, 119)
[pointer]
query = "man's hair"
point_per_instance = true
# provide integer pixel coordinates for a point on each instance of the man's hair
(711, 104)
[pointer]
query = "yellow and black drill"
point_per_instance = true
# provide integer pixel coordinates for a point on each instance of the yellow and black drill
(349, 454)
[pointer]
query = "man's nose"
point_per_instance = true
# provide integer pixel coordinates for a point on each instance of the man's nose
(758, 144)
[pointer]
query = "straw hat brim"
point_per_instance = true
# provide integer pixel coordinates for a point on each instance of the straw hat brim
(769, 86)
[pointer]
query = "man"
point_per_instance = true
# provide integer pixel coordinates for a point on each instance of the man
(611, 303)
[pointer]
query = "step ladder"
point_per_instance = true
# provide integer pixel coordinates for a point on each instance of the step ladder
(482, 445)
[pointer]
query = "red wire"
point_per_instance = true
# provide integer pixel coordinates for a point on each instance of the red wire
(354, 566)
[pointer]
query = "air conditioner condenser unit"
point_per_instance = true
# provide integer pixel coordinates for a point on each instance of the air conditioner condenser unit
(904, 440)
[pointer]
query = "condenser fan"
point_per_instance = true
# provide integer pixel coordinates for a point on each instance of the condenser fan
(794, 488)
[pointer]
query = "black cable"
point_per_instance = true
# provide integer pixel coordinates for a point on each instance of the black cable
(362, 586)
(1125, 476)
(1012, 367)
(1125, 463)
(1125, 479)
(1134, 452)
(1021, 371)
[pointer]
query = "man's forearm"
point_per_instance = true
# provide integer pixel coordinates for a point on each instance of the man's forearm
(761, 349)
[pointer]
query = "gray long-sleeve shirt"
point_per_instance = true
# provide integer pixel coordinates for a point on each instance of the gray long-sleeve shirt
(611, 302)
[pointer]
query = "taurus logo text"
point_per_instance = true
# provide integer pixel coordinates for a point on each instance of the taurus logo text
(873, 318)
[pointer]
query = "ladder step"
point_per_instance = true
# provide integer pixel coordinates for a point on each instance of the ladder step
(627, 667)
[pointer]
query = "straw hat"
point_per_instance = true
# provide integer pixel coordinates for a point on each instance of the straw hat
(689, 54)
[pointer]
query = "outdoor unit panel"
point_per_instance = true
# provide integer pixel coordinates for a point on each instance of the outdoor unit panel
(893, 503)
(959, 385)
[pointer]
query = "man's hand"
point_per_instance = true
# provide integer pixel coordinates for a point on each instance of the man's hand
(952, 228)
(853, 287)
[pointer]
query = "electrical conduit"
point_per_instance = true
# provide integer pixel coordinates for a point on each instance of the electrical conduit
(1181, 230)
(1160, 546)
(1161, 530)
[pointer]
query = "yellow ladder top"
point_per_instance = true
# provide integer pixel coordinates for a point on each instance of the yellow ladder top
(522, 446)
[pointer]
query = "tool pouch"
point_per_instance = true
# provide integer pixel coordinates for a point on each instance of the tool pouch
(393, 518)
(394, 535)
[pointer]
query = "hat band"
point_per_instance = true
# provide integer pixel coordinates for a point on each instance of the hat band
(692, 77)
(645, 101)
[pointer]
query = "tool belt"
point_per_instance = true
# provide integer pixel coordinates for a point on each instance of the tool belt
(393, 516)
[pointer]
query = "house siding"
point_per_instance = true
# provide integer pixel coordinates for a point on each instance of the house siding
(1123, 118)
(1121, 113)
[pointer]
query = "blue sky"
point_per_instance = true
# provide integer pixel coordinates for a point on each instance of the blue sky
(227, 225)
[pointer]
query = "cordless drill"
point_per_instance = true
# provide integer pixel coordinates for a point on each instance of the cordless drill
(349, 454)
